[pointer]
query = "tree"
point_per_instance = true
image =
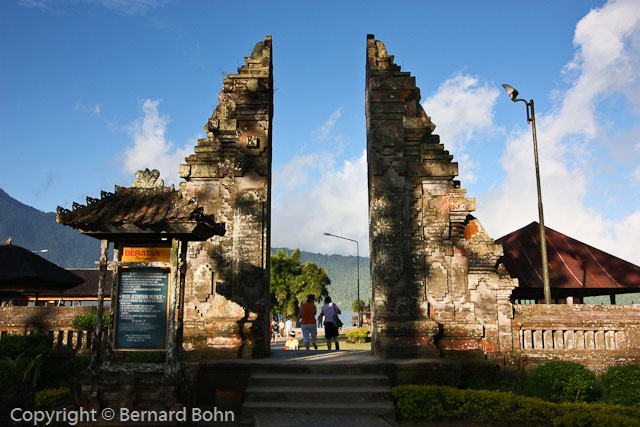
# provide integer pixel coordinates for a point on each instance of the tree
(354, 305)
(291, 282)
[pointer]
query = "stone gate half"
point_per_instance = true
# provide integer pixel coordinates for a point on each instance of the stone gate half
(435, 284)
(227, 281)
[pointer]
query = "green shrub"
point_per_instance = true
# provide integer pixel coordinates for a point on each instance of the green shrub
(53, 398)
(488, 376)
(561, 381)
(430, 403)
(620, 385)
(144, 357)
(358, 335)
(87, 322)
(20, 374)
(594, 419)
(64, 372)
(29, 345)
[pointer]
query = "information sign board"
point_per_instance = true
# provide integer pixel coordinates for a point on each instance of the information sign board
(141, 314)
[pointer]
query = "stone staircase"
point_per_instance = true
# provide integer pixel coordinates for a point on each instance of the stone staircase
(316, 391)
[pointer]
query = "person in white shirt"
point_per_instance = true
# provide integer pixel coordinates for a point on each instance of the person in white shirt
(329, 312)
(288, 326)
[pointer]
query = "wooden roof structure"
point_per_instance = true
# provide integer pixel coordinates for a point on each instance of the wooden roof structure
(575, 268)
(24, 271)
(146, 209)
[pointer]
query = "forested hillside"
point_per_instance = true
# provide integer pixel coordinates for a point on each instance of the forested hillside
(343, 274)
(36, 230)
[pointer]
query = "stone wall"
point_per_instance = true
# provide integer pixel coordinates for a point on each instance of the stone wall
(435, 285)
(226, 301)
(594, 335)
(57, 321)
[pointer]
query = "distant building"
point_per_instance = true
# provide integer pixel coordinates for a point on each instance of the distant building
(85, 294)
(576, 270)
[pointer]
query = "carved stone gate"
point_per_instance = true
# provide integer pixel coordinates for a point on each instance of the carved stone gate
(435, 284)
(227, 291)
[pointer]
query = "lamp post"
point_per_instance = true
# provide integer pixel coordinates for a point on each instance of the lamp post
(531, 118)
(358, 270)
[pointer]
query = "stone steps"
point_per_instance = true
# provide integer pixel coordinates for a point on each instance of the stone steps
(378, 408)
(327, 380)
(316, 392)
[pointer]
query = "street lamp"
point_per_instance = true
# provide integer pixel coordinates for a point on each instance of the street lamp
(41, 251)
(531, 118)
(358, 264)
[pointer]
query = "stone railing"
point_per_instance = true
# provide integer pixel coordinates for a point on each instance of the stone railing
(56, 321)
(597, 335)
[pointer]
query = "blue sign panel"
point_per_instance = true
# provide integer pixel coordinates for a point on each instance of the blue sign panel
(141, 320)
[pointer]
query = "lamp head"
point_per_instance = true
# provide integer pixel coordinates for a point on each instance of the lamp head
(327, 234)
(511, 91)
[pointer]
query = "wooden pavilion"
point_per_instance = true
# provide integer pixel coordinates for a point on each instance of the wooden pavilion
(576, 270)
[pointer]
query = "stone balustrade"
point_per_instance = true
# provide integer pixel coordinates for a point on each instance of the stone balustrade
(56, 321)
(598, 335)
(562, 339)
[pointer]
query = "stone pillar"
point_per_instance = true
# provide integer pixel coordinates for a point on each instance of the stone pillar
(435, 284)
(227, 281)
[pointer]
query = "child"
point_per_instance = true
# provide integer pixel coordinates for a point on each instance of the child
(292, 343)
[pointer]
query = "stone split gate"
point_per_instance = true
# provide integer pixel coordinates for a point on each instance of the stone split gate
(435, 283)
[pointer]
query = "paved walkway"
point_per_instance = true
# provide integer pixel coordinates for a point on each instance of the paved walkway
(279, 356)
(320, 420)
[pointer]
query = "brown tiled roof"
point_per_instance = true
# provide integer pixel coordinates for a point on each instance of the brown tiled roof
(132, 205)
(572, 264)
(87, 289)
(22, 270)
(132, 209)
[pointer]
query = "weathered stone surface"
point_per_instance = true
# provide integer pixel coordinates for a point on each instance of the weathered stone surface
(226, 310)
(133, 390)
(594, 335)
(432, 264)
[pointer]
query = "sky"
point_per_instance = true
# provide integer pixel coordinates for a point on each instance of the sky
(93, 90)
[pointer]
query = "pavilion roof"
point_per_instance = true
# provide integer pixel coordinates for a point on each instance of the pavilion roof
(140, 209)
(572, 263)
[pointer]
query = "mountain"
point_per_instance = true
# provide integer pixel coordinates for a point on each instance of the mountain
(343, 274)
(36, 230)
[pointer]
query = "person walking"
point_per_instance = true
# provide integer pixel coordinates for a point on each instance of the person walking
(307, 320)
(329, 312)
(288, 326)
(274, 330)
(281, 330)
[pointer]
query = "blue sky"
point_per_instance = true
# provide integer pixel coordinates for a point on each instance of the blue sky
(92, 90)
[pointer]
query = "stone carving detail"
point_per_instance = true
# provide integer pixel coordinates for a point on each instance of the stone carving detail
(438, 281)
(203, 284)
(148, 179)
(229, 174)
(424, 243)
(252, 141)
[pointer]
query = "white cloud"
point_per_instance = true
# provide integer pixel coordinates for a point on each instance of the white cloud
(605, 64)
(462, 110)
(128, 7)
(93, 110)
(323, 132)
(124, 7)
(337, 203)
(312, 194)
(150, 147)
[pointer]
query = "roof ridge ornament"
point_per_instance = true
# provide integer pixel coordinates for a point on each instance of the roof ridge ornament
(148, 179)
